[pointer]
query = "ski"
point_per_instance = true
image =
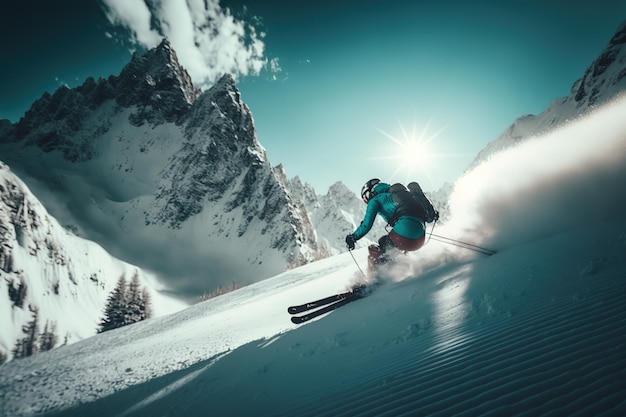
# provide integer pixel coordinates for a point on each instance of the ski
(324, 310)
(318, 303)
(331, 303)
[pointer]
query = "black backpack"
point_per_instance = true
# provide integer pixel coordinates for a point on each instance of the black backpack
(411, 201)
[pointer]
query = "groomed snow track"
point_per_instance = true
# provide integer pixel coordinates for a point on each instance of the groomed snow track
(567, 358)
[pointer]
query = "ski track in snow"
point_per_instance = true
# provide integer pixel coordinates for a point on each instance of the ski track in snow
(503, 369)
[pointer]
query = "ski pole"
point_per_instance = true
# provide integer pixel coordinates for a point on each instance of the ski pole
(464, 245)
(432, 230)
(357, 264)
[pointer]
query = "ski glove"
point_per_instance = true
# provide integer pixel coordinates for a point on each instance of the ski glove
(350, 241)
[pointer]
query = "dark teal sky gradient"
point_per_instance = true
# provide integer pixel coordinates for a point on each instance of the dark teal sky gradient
(468, 67)
(351, 69)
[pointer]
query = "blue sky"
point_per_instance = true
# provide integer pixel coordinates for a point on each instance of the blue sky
(339, 80)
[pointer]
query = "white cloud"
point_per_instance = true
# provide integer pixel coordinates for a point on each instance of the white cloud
(207, 38)
(135, 16)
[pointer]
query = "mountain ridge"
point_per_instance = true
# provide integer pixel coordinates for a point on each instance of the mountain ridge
(142, 155)
(603, 81)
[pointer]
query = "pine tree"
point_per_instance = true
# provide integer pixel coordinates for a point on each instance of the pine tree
(114, 312)
(27, 345)
(48, 338)
(134, 305)
(147, 304)
(18, 349)
(32, 330)
(126, 305)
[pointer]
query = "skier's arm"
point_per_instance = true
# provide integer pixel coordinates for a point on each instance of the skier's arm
(368, 221)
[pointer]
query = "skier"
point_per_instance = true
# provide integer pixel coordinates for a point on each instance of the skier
(405, 211)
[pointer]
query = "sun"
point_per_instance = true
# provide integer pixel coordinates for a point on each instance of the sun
(413, 151)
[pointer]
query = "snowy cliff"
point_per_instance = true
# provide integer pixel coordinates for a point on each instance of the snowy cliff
(162, 176)
(48, 273)
(334, 215)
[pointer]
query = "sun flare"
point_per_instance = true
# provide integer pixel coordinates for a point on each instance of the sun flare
(413, 151)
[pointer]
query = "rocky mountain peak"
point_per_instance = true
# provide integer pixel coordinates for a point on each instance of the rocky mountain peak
(605, 75)
(227, 82)
(339, 189)
(153, 84)
(157, 84)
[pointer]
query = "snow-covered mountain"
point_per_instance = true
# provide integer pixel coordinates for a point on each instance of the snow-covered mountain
(46, 271)
(162, 176)
(537, 329)
(334, 215)
(603, 81)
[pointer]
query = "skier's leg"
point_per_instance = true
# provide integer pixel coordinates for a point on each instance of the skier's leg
(373, 255)
(379, 254)
(386, 245)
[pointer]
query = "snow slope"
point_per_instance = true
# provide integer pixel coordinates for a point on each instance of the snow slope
(67, 279)
(537, 329)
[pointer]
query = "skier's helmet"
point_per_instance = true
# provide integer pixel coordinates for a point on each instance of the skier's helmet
(367, 191)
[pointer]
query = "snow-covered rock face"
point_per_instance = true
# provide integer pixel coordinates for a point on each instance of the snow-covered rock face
(604, 80)
(48, 272)
(162, 176)
(605, 76)
(334, 215)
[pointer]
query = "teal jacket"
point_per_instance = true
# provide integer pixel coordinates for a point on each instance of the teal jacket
(382, 203)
